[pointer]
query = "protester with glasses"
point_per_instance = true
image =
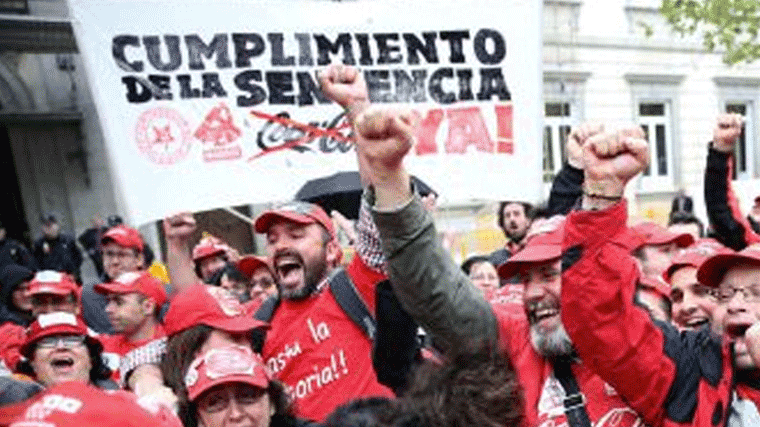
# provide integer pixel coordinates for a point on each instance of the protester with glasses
(230, 385)
(58, 349)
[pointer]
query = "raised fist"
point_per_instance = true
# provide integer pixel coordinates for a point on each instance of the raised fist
(728, 127)
(383, 138)
(179, 226)
(576, 139)
(345, 85)
(612, 159)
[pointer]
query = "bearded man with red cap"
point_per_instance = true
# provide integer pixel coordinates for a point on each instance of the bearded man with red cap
(440, 297)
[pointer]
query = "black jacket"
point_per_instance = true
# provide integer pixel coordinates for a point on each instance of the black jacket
(59, 254)
(14, 252)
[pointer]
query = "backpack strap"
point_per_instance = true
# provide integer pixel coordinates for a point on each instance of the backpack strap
(264, 313)
(351, 302)
(575, 400)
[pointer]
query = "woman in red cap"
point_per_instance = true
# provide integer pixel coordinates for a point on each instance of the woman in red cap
(230, 385)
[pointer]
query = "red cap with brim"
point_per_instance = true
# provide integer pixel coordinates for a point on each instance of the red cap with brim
(539, 248)
(298, 212)
(142, 283)
(230, 364)
(248, 264)
(78, 404)
(653, 234)
(711, 271)
(211, 306)
(124, 236)
(53, 282)
(655, 285)
(58, 323)
(694, 256)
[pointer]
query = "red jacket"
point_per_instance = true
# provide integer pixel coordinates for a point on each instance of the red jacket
(543, 394)
(671, 378)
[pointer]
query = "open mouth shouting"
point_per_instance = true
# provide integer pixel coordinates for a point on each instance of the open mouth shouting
(290, 270)
(544, 314)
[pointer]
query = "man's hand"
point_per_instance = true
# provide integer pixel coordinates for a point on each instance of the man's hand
(577, 138)
(345, 85)
(383, 138)
(611, 160)
(179, 227)
(727, 129)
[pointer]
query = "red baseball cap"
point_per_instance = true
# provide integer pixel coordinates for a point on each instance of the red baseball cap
(230, 364)
(135, 282)
(77, 404)
(209, 246)
(711, 272)
(124, 236)
(250, 263)
(295, 211)
(694, 256)
(544, 244)
(53, 282)
(655, 284)
(58, 323)
(208, 305)
(653, 234)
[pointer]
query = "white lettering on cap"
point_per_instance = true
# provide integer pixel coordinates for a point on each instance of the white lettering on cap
(49, 276)
(58, 318)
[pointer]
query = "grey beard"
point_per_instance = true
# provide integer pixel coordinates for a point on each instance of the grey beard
(554, 344)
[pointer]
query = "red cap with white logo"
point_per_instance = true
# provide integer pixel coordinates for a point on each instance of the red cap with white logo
(53, 282)
(209, 246)
(211, 306)
(77, 404)
(231, 364)
(50, 324)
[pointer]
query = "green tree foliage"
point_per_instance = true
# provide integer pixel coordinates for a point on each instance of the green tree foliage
(730, 25)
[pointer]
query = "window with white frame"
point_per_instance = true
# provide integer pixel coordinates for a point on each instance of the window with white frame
(563, 96)
(655, 108)
(744, 151)
(558, 121)
(654, 119)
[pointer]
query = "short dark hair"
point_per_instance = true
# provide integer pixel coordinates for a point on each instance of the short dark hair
(181, 350)
(527, 208)
(687, 218)
(475, 259)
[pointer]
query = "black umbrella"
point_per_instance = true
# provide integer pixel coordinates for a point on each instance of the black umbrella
(342, 192)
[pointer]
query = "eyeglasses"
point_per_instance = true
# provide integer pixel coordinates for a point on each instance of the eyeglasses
(67, 341)
(750, 294)
(119, 254)
(218, 400)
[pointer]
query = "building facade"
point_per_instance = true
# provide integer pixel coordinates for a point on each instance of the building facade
(614, 61)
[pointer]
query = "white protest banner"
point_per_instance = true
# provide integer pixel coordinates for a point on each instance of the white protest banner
(209, 103)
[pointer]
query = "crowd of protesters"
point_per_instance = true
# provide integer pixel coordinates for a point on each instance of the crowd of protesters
(581, 320)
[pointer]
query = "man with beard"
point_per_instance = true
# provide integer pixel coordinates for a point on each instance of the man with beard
(514, 219)
(673, 378)
(441, 298)
(313, 346)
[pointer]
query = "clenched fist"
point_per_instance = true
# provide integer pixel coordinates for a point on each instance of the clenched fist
(345, 85)
(611, 160)
(179, 226)
(577, 138)
(727, 129)
(384, 137)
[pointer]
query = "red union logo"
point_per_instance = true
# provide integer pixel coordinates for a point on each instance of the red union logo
(163, 136)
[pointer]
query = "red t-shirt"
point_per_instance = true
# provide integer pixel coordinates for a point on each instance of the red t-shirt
(320, 354)
(12, 337)
(122, 355)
